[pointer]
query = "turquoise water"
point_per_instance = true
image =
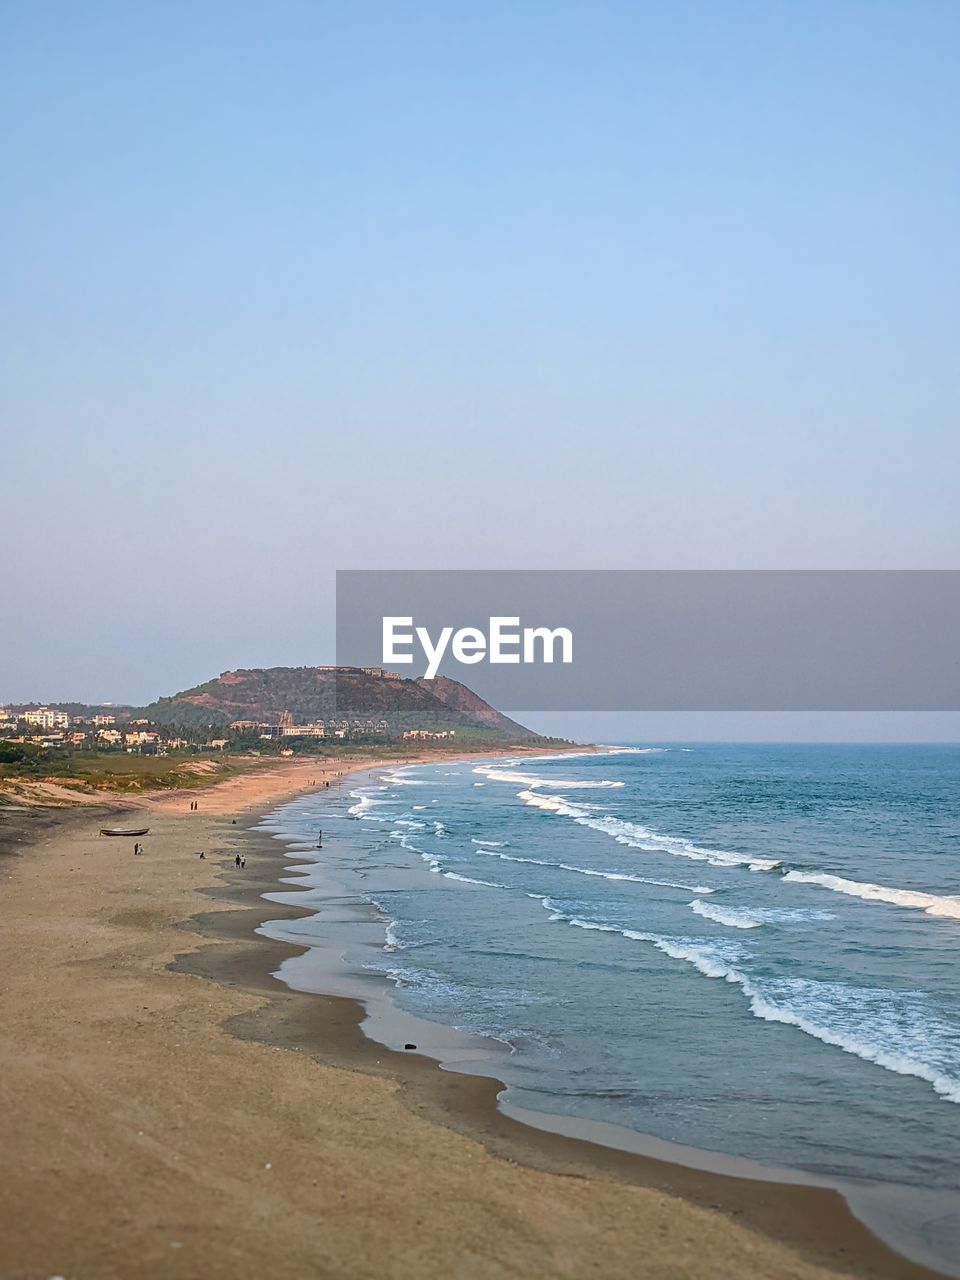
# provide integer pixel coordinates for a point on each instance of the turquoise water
(748, 949)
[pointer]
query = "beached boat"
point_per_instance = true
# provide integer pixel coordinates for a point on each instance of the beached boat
(122, 831)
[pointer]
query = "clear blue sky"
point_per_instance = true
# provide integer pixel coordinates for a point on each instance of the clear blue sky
(298, 286)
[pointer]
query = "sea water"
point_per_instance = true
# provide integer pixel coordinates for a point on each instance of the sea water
(751, 950)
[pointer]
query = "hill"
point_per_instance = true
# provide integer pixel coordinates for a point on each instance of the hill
(343, 694)
(458, 697)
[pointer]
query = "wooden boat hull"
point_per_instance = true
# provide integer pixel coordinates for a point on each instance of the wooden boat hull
(117, 831)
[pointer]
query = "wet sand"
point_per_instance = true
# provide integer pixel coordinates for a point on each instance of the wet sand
(155, 1122)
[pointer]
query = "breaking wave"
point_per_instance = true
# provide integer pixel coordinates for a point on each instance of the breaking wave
(933, 904)
(896, 1030)
(636, 836)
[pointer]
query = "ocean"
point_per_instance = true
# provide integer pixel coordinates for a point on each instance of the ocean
(746, 949)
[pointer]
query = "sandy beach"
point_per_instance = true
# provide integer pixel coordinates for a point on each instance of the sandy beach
(169, 1109)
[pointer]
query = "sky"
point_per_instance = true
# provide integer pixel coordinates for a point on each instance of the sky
(301, 286)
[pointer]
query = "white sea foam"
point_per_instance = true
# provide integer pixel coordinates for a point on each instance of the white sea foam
(602, 749)
(490, 844)
(636, 836)
(622, 875)
(403, 839)
(897, 1030)
(533, 780)
(511, 857)
(946, 905)
(488, 884)
(756, 917)
(605, 875)
(365, 802)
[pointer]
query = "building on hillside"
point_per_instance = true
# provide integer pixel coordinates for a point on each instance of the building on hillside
(101, 722)
(316, 729)
(430, 733)
(111, 737)
(47, 718)
(373, 726)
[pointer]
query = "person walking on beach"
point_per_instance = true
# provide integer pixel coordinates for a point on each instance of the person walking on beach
(237, 861)
(243, 863)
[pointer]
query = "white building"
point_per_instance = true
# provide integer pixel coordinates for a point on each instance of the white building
(47, 718)
(317, 729)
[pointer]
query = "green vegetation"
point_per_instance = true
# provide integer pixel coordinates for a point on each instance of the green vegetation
(119, 771)
(19, 753)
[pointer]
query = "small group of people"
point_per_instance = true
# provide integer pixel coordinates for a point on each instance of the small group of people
(240, 861)
(137, 849)
(194, 805)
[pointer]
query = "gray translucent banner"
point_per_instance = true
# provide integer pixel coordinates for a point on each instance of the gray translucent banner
(723, 640)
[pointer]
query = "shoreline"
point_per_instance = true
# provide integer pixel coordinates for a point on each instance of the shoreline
(371, 1029)
(148, 1100)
